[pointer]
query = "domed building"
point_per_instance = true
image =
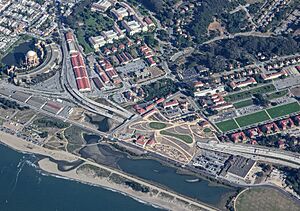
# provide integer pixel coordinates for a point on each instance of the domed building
(32, 59)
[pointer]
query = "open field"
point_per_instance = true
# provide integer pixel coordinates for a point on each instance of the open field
(244, 103)
(227, 125)
(186, 138)
(278, 94)
(24, 116)
(157, 125)
(248, 93)
(283, 110)
(259, 117)
(253, 118)
(256, 199)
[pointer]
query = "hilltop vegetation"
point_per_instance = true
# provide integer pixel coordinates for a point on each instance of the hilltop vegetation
(87, 23)
(159, 89)
(204, 14)
(218, 55)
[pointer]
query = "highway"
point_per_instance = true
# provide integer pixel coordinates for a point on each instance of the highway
(76, 123)
(98, 107)
(261, 153)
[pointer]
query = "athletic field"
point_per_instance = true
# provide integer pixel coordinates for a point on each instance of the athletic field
(259, 117)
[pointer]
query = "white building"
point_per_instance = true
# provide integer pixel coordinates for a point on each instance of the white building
(120, 13)
(132, 27)
(102, 5)
(97, 42)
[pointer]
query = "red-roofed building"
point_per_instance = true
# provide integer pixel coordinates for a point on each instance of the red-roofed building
(150, 142)
(141, 141)
(149, 113)
(242, 84)
(285, 123)
(198, 84)
(149, 22)
(69, 37)
(254, 132)
(151, 62)
(272, 76)
(238, 137)
(82, 81)
(297, 119)
(114, 49)
(122, 46)
(270, 128)
(222, 106)
(160, 100)
(172, 104)
(149, 107)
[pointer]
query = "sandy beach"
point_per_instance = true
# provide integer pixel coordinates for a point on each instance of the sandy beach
(176, 202)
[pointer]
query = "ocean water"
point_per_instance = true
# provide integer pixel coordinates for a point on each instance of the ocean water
(24, 188)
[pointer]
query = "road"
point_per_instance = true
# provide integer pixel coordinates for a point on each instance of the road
(255, 152)
(231, 36)
(256, 65)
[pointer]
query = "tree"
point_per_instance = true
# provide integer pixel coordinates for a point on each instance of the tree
(259, 99)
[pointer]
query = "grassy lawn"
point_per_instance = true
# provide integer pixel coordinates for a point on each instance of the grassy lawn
(252, 118)
(244, 103)
(248, 94)
(24, 116)
(157, 125)
(186, 138)
(227, 125)
(207, 130)
(278, 94)
(283, 110)
(257, 199)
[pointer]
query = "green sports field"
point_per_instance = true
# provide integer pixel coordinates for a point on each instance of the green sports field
(259, 117)
(242, 104)
(283, 110)
(253, 118)
(227, 125)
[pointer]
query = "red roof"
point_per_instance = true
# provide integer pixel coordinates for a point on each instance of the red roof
(80, 84)
(141, 140)
(151, 142)
(69, 36)
(171, 103)
(74, 61)
(86, 83)
(160, 100)
(148, 20)
(149, 107)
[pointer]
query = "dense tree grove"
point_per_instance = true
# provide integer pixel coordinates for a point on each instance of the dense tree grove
(160, 88)
(49, 122)
(219, 55)
(6, 104)
(293, 178)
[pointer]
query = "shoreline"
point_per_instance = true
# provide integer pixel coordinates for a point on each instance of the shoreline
(164, 199)
(46, 173)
